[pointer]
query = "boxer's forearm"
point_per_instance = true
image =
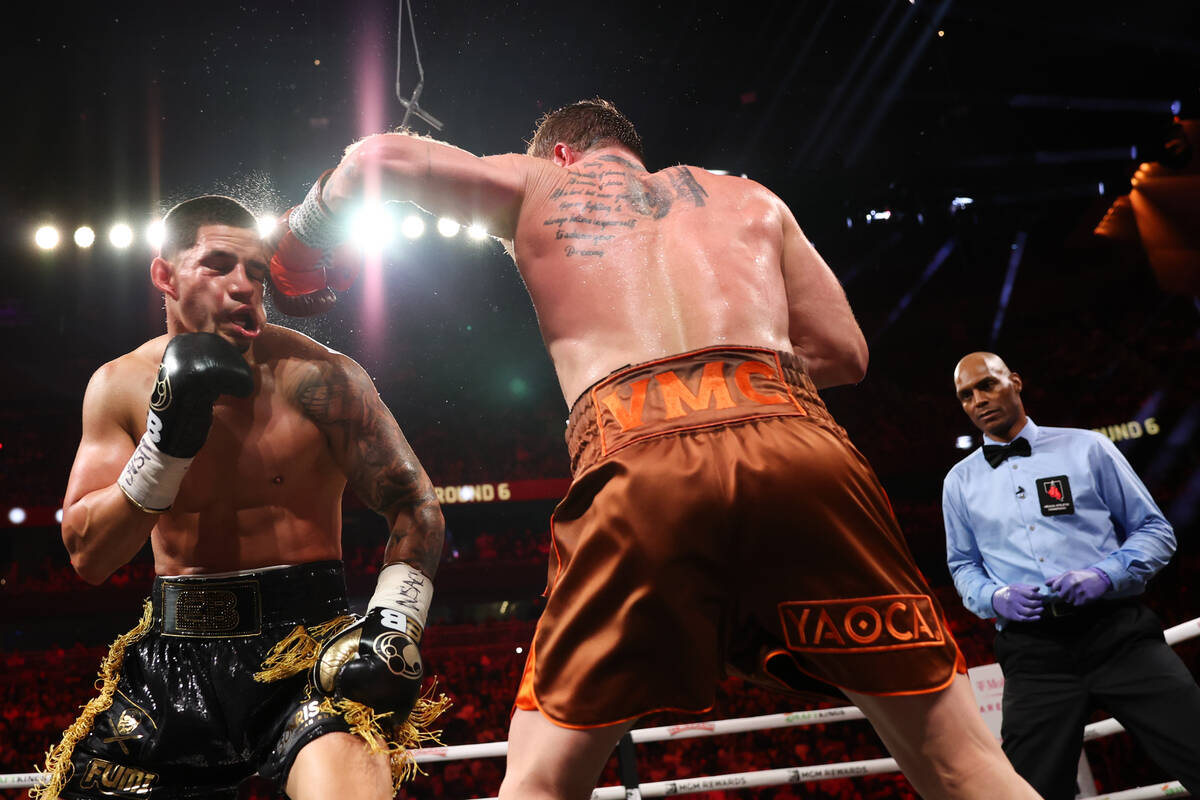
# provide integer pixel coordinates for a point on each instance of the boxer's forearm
(103, 531)
(436, 176)
(416, 536)
(829, 365)
(390, 164)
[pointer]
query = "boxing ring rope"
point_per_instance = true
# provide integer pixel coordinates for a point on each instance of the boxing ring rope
(759, 778)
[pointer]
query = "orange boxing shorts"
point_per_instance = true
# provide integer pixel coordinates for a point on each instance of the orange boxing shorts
(720, 522)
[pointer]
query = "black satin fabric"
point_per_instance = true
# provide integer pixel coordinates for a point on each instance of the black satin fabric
(188, 719)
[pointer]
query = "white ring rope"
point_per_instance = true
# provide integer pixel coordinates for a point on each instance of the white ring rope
(760, 778)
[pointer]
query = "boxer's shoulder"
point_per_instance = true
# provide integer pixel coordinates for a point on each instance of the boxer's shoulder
(118, 390)
(303, 366)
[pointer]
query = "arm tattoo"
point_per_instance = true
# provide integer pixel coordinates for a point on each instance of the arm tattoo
(378, 462)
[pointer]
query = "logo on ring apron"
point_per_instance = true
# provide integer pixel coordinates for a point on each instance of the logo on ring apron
(862, 624)
(1054, 494)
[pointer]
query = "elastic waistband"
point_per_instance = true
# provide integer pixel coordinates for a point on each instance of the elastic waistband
(242, 604)
(689, 391)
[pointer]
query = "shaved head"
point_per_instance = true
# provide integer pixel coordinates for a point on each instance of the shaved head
(990, 394)
(981, 359)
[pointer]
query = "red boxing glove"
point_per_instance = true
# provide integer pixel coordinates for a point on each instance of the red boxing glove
(307, 262)
(298, 284)
(304, 279)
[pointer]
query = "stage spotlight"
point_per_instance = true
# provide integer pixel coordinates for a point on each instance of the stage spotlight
(84, 236)
(372, 228)
(448, 227)
(964, 442)
(58, 516)
(121, 235)
(520, 650)
(46, 237)
(476, 232)
(16, 515)
(266, 224)
(412, 227)
(466, 494)
(155, 234)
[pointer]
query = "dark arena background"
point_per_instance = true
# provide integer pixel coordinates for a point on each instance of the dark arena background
(962, 166)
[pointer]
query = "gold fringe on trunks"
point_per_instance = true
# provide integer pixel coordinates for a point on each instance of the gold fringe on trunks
(297, 652)
(58, 758)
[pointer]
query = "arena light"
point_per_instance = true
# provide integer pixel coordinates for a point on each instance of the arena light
(520, 650)
(156, 233)
(84, 236)
(448, 227)
(964, 442)
(121, 235)
(476, 232)
(46, 237)
(16, 515)
(466, 493)
(372, 228)
(58, 516)
(266, 224)
(412, 227)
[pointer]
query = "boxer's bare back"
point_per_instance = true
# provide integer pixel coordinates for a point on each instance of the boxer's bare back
(623, 265)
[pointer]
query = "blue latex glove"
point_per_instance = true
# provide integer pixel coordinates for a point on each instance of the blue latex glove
(1019, 601)
(1080, 586)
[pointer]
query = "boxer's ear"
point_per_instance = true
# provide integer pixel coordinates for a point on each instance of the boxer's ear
(564, 156)
(162, 276)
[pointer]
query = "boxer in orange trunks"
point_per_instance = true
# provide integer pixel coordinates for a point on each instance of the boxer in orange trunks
(717, 516)
(677, 545)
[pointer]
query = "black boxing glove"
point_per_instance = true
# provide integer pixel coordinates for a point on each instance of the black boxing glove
(196, 369)
(377, 660)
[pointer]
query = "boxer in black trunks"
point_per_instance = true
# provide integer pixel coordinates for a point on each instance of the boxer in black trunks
(651, 291)
(235, 473)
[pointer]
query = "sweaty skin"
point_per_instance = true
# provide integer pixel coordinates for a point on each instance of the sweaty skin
(266, 487)
(625, 266)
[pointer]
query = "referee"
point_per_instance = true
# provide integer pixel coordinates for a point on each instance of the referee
(1050, 531)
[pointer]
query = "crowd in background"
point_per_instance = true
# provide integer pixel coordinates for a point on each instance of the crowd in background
(478, 667)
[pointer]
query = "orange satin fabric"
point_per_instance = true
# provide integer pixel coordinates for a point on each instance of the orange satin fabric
(718, 520)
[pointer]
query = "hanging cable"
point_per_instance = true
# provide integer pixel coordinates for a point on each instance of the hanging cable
(411, 106)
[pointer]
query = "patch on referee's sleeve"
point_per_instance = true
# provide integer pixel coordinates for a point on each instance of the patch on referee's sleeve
(861, 624)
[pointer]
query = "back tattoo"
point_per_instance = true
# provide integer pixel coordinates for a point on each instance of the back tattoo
(597, 203)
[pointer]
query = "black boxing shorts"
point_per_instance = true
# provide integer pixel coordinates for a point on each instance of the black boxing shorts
(720, 522)
(187, 718)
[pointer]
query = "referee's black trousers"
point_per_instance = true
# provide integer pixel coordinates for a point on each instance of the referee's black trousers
(1110, 656)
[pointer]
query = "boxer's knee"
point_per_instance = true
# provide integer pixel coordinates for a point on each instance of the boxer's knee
(339, 765)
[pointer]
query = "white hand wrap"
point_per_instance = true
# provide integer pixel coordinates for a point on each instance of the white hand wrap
(151, 478)
(313, 223)
(406, 589)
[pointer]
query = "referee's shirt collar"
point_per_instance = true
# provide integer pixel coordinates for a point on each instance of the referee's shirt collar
(1029, 431)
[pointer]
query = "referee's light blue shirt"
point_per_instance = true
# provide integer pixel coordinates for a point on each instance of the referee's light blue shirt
(996, 533)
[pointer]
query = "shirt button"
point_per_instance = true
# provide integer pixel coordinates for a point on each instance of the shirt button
(1014, 466)
(1030, 527)
(1041, 559)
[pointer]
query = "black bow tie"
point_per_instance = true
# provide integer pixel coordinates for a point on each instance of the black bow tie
(996, 453)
